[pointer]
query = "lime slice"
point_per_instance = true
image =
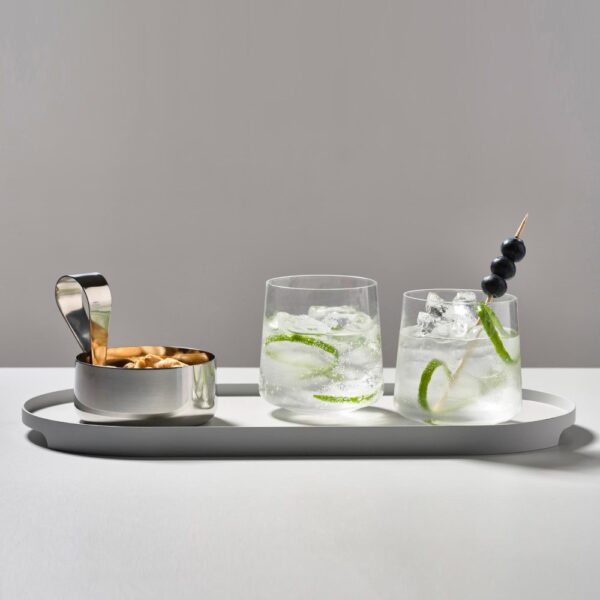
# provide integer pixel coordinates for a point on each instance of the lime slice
(348, 399)
(426, 376)
(490, 323)
(301, 350)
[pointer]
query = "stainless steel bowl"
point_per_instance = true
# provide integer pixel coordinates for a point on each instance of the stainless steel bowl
(108, 392)
(178, 396)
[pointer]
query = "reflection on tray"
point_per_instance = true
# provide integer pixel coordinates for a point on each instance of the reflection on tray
(370, 416)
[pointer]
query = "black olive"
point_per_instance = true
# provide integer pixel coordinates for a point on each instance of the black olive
(492, 285)
(503, 267)
(513, 248)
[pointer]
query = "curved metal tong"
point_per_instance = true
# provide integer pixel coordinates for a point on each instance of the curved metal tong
(85, 302)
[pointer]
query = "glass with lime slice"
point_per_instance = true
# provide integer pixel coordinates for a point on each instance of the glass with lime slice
(321, 345)
(458, 358)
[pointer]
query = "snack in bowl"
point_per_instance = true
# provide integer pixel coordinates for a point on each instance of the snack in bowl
(151, 361)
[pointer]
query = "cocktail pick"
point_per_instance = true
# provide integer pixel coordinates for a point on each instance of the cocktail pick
(503, 267)
(494, 286)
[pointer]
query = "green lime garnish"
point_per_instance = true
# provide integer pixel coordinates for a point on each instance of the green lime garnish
(302, 339)
(426, 376)
(496, 321)
(341, 399)
(490, 322)
(303, 351)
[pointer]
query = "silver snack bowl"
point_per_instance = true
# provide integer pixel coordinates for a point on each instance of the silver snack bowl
(110, 393)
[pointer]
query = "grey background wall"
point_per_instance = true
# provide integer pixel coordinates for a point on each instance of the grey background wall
(191, 150)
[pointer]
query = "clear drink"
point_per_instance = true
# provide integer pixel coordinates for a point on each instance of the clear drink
(321, 358)
(449, 369)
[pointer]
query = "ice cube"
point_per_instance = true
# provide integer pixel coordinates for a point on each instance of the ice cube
(442, 329)
(435, 306)
(460, 326)
(341, 318)
(338, 320)
(324, 312)
(318, 312)
(300, 324)
(358, 323)
(274, 321)
(463, 317)
(448, 319)
(465, 297)
(425, 323)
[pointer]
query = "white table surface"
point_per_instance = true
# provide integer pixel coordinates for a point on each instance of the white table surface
(506, 527)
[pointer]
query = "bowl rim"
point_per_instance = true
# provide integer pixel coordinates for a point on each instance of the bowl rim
(83, 358)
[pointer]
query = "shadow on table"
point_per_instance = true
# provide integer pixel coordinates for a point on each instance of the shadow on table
(37, 438)
(567, 456)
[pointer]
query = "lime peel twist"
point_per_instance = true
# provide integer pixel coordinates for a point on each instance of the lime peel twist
(342, 399)
(303, 339)
(493, 329)
(491, 326)
(497, 324)
(308, 340)
(426, 376)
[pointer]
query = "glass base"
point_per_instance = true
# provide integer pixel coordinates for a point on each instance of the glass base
(323, 419)
(471, 416)
(314, 408)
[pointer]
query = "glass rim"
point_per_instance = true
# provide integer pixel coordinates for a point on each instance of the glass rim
(412, 294)
(278, 282)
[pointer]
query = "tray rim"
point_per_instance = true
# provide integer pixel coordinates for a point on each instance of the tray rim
(30, 409)
(222, 441)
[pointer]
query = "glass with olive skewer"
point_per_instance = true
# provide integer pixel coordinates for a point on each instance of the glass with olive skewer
(459, 360)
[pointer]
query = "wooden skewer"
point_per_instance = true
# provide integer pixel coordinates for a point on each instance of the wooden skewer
(439, 405)
(521, 226)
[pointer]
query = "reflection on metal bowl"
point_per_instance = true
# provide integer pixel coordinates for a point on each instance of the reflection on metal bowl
(112, 394)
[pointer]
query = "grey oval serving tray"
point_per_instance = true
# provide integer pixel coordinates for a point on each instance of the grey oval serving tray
(247, 426)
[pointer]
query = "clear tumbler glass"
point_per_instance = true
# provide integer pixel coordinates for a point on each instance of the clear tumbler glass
(321, 344)
(459, 359)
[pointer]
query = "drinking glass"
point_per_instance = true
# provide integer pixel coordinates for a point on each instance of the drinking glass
(459, 358)
(321, 344)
